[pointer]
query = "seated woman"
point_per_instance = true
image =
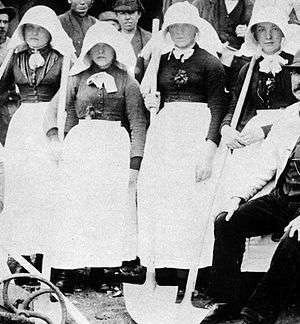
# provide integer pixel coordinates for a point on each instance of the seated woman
(174, 185)
(270, 86)
(40, 45)
(99, 158)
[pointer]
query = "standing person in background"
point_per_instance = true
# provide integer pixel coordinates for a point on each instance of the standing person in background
(9, 99)
(76, 21)
(230, 19)
(128, 14)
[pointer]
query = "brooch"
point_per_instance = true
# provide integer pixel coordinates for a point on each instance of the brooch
(181, 78)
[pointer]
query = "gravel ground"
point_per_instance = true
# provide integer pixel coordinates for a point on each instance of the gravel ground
(103, 308)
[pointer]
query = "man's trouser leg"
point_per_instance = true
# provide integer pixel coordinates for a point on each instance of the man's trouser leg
(278, 283)
(261, 216)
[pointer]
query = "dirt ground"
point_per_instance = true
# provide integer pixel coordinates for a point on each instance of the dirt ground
(103, 308)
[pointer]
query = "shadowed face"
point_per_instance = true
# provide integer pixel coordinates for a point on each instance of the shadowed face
(128, 20)
(103, 55)
(295, 78)
(4, 23)
(183, 35)
(81, 7)
(36, 36)
(269, 37)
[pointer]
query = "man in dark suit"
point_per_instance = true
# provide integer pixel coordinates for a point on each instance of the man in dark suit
(128, 14)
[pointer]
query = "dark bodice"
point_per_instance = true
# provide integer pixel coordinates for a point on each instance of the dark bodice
(200, 78)
(265, 92)
(34, 86)
(125, 105)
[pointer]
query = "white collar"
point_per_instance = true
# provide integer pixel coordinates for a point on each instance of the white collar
(103, 79)
(272, 63)
(182, 54)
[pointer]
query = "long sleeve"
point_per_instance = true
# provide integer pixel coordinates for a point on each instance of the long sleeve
(50, 119)
(216, 99)
(136, 114)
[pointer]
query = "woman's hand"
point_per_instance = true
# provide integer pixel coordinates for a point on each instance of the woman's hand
(152, 101)
(56, 147)
(204, 168)
(251, 135)
(203, 171)
(231, 137)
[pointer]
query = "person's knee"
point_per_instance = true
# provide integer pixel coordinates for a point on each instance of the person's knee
(290, 243)
(220, 223)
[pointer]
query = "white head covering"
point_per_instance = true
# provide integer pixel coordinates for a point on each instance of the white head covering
(104, 32)
(265, 14)
(270, 63)
(46, 18)
(186, 13)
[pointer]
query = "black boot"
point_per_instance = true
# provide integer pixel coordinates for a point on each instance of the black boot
(35, 259)
(63, 279)
(97, 280)
(80, 279)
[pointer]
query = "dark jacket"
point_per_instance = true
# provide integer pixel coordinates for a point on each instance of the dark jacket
(139, 40)
(76, 27)
(215, 12)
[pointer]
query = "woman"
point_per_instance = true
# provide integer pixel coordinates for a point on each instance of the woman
(268, 92)
(174, 183)
(39, 44)
(94, 227)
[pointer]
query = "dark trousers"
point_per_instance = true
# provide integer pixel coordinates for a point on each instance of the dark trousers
(261, 216)
(279, 283)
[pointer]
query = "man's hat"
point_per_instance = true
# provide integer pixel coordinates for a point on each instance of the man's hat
(108, 15)
(10, 11)
(296, 62)
(128, 5)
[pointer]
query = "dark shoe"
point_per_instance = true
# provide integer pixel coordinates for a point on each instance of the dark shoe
(220, 312)
(80, 279)
(117, 292)
(250, 316)
(63, 279)
(133, 275)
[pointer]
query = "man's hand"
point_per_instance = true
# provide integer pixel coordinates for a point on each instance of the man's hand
(232, 205)
(252, 135)
(294, 226)
(231, 137)
(241, 30)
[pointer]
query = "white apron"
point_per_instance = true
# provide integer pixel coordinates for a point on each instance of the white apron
(93, 224)
(174, 226)
(259, 250)
(30, 183)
